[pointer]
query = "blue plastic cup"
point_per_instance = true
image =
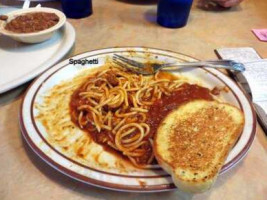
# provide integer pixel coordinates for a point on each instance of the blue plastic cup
(77, 8)
(173, 13)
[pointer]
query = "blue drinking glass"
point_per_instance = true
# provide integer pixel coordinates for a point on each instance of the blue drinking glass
(173, 13)
(77, 8)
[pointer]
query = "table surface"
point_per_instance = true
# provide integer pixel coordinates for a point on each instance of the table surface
(132, 23)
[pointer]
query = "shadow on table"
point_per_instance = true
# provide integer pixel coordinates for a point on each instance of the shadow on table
(87, 190)
(262, 137)
(13, 94)
(151, 16)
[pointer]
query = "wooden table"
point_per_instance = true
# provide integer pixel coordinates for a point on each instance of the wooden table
(125, 23)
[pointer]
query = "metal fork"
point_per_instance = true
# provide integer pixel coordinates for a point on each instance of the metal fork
(152, 68)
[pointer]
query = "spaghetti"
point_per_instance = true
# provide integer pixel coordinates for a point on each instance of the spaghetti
(113, 104)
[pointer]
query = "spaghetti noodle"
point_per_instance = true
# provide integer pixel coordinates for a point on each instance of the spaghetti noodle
(112, 105)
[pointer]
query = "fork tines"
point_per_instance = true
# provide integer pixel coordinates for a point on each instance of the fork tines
(128, 61)
(121, 64)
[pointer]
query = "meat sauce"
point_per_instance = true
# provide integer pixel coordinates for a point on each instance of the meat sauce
(32, 22)
(163, 106)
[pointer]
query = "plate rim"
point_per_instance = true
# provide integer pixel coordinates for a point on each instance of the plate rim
(131, 188)
(69, 29)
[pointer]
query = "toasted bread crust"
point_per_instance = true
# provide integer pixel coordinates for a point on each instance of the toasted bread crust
(193, 141)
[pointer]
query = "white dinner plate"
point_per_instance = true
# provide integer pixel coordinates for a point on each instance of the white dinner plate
(113, 178)
(20, 62)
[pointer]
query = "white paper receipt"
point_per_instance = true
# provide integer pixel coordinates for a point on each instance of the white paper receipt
(255, 74)
(245, 54)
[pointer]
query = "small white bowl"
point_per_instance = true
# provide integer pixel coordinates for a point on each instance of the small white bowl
(35, 37)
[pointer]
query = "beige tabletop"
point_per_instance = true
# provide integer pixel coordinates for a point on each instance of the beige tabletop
(24, 176)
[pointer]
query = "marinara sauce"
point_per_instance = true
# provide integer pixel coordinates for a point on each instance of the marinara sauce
(160, 108)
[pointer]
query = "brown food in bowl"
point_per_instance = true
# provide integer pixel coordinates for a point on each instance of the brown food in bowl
(32, 22)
